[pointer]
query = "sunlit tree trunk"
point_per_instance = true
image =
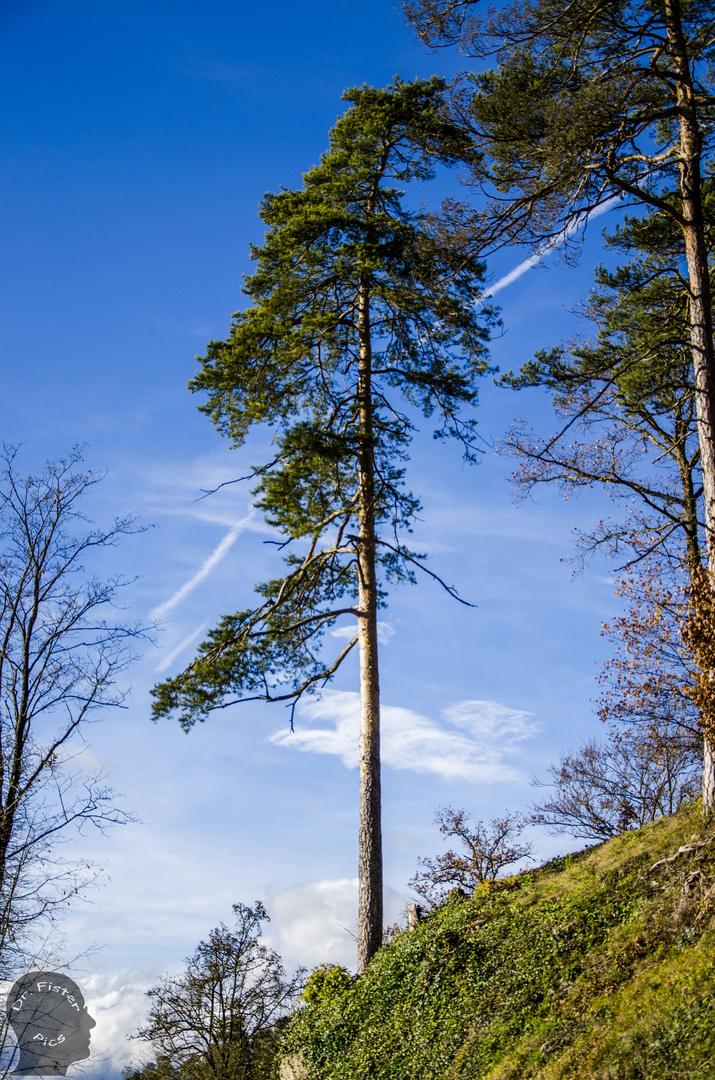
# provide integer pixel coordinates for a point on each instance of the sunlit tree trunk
(370, 844)
(701, 327)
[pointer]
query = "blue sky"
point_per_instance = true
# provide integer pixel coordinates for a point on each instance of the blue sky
(137, 142)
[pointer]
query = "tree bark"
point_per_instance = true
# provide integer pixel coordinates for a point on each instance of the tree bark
(690, 499)
(701, 327)
(370, 836)
(708, 773)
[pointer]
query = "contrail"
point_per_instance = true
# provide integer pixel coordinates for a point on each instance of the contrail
(516, 273)
(204, 570)
(537, 257)
(189, 640)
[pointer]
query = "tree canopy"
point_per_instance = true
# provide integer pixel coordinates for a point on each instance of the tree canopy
(360, 318)
(219, 1019)
(291, 362)
(594, 103)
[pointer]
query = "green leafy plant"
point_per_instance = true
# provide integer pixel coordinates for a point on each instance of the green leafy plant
(598, 965)
(326, 982)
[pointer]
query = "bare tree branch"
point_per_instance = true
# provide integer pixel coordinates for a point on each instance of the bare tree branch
(61, 651)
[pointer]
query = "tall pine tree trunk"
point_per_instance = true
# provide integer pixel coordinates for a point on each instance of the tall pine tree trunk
(701, 326)
(370, 836)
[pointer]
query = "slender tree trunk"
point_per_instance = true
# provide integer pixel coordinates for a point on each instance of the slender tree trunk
(701, 327)
(690, 502)
(708, 774)
(370, 836)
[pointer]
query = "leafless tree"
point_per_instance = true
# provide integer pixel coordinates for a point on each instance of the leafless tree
(218, 1020)
(62, 647)
(487, 850)
(621, 783)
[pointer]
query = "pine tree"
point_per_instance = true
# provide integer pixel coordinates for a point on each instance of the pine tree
(358, 319)
(592, 102)
(626, 396)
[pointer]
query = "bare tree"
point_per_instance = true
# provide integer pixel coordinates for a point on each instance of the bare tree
(487, 850)
(623, 783)
(218, 1020)
(651, 758)
(61, 650)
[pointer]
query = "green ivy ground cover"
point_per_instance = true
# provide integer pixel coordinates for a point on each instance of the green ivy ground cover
(596, 967)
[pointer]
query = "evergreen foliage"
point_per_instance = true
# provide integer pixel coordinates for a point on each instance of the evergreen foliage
(588, 101)
(326, 982)
(291, 362)
(360, 319)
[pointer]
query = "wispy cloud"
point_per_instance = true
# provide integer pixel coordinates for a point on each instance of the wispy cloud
(539, 256)
(218, 553)
(473, 740)
(172, 489)
(385, 631)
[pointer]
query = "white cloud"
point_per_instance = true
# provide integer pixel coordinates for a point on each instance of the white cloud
(491, 722)
(314, 923)
(385, 631)
(118, 1004)
(472, 742)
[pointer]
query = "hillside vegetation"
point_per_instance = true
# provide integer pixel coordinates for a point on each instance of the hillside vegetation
(597, 966)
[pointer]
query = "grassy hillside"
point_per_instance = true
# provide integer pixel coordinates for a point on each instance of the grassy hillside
(598, 966)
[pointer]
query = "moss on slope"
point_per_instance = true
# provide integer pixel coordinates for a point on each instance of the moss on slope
(599, 966)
